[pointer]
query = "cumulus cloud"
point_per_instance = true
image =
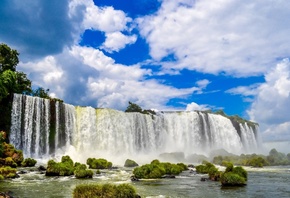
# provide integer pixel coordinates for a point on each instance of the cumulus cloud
(116, 41)
(83, 75)
(271, 105)
(219, 36)
(194, 106)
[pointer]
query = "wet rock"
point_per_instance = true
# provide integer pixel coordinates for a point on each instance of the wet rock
(22, 172)
(6, 194)
(203, 179)
(133, 178)
(41, 168)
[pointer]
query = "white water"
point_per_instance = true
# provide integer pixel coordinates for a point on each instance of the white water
(84, 132)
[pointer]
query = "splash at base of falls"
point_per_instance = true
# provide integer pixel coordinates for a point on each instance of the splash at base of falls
(43, 128)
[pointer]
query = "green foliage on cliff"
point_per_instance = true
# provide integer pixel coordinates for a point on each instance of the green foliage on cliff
(105, 191)
(13, 81)
(99, 163)
(132, 107)
(237, 118)
(158, 169)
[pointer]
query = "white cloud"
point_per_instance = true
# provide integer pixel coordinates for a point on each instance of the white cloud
(105, 19)
(116, 41)
(85, 76)
(236, 37)
(271, 106)
(244, 90)
(193, 106)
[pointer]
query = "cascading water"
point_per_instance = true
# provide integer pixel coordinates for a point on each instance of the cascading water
(41, 127)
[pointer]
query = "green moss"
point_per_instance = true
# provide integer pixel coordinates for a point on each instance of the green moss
(63, 168)
(28, 162)
(232, 179)
(10, 162)
(99, 163)
(8, 172)
(157, 169)
(81, 171)
(104, 191)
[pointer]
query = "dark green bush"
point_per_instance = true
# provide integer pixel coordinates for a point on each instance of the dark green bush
(8, 172)
(104, 191)
(99, 163)
(130, 163)
(81, 171)
(63, 168)
(28, 162)
(234, 176)
(157, 169)
(232, 179)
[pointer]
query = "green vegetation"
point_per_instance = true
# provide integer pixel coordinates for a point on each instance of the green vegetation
(132, 107)
(13, 81)
(130, 163)
(208, 168)
(81, 171)
(234, 176)
(158, 169)
(99, 163)
(7, 172)
(28, 162)
(105, 191)
(273, 159)
(237, 119)
(63, 168)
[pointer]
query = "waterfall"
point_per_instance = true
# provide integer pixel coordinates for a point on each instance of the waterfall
(43, 128)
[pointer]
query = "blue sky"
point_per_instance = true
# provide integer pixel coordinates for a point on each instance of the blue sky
(160, 54)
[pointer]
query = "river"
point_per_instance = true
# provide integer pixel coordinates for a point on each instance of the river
(262, 182)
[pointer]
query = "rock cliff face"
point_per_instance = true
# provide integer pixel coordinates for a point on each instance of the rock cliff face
(41, 127)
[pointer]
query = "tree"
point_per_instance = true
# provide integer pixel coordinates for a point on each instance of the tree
(40, 92)
(133, 108)
(8, 58)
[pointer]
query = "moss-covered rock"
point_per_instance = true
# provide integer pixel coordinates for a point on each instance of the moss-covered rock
(130, 163)
(28, 162)
(157, 169)
(63, 168)
(99, 163)
(81, 171)
(105, 191)
(234, 176)
(8, 172)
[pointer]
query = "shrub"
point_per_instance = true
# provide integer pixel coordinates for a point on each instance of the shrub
(99, 163)
(130, 163)
(9, 162)
(104, 191)
(157, 169)
(7, 172)
(234, 176)
(204, 168)
(63, 168)
(82, 172)
(232, 179)
(28, 162)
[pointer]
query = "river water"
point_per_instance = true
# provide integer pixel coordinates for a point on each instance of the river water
(262, 182)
